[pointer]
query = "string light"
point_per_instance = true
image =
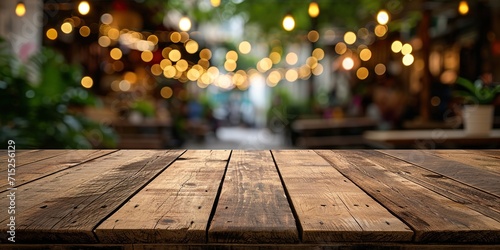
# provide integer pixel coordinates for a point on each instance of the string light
(84, 7)
(185, 23)
(313, 9)
(463, 7)
(383, 17)
(288, 22)
(20, 9)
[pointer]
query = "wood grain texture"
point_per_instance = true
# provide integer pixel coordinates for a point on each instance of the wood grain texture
(44, 167)
(66, 206)
(473, 198)
(433, 217)
(476, 177)
(24, 157)
(471, 157)
(333, 209)
(252, 206)
(174, 207)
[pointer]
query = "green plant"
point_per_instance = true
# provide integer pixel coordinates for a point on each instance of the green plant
(38, 113)
(144, 107)
(476, 92)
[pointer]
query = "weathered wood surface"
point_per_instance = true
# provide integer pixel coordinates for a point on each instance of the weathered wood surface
(174, 207)
(477, 177)
(43, 166)
(433, 217)
(280, 199)
(334, 209)
(252, 206)
(66, 206)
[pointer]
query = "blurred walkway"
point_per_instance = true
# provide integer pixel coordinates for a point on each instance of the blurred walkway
(240, 138)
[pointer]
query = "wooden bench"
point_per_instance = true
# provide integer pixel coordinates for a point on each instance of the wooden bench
(280, 199)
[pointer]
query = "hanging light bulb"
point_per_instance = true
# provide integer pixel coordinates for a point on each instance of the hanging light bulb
(463, 7)
(20, 9)
(84, 7)
(313, 9)
(288, 22)
(185, 23)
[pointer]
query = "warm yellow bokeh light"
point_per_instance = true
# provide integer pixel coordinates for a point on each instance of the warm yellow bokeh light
(230, 65)
(84, 31)
(273, 78)
(114, 33)
(396, 46)
(147, 56)
(153, 38)
(156, 70)
(191, 46)
(380, 69)
(313, 9)
(275, 57)
(185, 24)
(116, 54)
(182, 65)
(215, 3)
(175, 37)
(124, 85)
(362, 73)
(408, 59)
(288, 23)
(350, 37)
(264, 64)
(106, 18)
(318, 53)
(348, 63)
(66, 28)
(463, 7)
(383, 17)
(51, 34)
(291, 75)
(169, 71)
(104, 41)
(365, 54)
(84, 7)
(20, 9)
(130, 77)
(174, 55)
(313, 36)
(193, 74)
(232, 55)
(340, 48)
(406, 49)
(164, 63)
(206, 54)
(380, 30)
(166, 92)
(318, 70)
(312, 62)
(291, 58)
(244, 47)
(87, 82)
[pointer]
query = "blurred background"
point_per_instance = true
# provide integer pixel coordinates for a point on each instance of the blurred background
(249, 74)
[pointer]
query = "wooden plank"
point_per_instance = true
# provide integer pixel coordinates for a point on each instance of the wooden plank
(329, 207)
(433, 217)
(473, 198)
(65, 207)
(18, 153)
(48, 166)
(25, 157)
(489, 152)
(252, 206)
(470, 157)
(174, 207)
(470, 175)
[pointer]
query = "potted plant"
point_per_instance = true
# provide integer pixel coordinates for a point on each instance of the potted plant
(478, 109)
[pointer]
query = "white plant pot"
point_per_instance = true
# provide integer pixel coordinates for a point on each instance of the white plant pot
(478, 119)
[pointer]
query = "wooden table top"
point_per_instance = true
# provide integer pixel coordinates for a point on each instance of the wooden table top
(137, 199)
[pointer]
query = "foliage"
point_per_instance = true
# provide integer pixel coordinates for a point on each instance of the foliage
(39, 114)
(476, 93)
(144, 107)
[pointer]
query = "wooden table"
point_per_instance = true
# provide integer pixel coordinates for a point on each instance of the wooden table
(149, 199)
(431, 139)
